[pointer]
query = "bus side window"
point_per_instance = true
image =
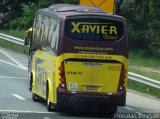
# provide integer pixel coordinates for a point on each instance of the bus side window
(49, 36)
(46, 31)
(37, 33)
(55, 35)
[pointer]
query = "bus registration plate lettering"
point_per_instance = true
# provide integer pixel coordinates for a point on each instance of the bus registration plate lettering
(93, 88)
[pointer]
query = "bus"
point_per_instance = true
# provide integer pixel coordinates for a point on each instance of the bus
(78, 58)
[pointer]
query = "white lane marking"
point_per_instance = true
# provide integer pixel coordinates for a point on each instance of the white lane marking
(128, 108)
(19, 97)
(20, 111)
(5, 77)
(24, 68)
(46, 118)
(12, 58)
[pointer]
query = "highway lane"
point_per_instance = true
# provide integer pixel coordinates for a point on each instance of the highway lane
(13, 83)
(143, 103)
(16, 99)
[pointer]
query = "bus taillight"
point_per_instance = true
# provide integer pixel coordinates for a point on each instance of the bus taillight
(122, 78)
(62, 76)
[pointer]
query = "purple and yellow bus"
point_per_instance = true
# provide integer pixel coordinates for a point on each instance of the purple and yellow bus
(78, 58)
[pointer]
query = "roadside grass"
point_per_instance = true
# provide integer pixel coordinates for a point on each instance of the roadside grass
(138, 59)
(13, 46)
(143, 88)
(146, 66)
(15, 33)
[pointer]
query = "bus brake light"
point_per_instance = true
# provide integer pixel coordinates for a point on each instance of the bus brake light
(62, 76)
(122, 78)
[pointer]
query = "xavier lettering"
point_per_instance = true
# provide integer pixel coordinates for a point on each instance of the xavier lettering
(98, 28)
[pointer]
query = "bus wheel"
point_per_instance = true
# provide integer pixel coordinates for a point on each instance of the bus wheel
(30, 84)
(50, 106)
(30, 81)
(35, 98)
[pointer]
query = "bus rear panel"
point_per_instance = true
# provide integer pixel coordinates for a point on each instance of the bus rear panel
(93, 56)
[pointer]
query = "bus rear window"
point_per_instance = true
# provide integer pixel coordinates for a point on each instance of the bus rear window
(94, 29)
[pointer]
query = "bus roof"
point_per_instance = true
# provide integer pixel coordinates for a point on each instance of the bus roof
(63, 10)
(75, 8)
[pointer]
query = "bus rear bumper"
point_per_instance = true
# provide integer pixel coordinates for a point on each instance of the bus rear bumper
(65, 98)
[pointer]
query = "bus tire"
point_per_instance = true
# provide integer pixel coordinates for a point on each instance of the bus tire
(35, 97)
(50, 106)
(31, 82)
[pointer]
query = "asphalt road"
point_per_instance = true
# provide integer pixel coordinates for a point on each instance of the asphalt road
(16, 102)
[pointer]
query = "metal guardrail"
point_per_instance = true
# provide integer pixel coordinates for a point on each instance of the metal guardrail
(144, 80)
(11, 39)
(132, 76)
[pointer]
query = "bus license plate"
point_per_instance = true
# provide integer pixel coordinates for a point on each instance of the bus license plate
(94, 88)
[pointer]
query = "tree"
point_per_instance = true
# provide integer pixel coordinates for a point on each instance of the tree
(67, 1)
(20, 13)
(26, 12)
(154, 27)
(11, 9)
(143, 26)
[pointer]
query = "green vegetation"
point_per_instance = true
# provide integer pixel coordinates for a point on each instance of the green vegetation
(15, 47)
(19, 14)
(138, 59)
(145, 71)
(143, 88)
(15, 33)
(146, 66)
(143, 26)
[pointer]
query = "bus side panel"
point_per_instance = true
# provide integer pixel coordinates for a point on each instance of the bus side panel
(43, 67)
